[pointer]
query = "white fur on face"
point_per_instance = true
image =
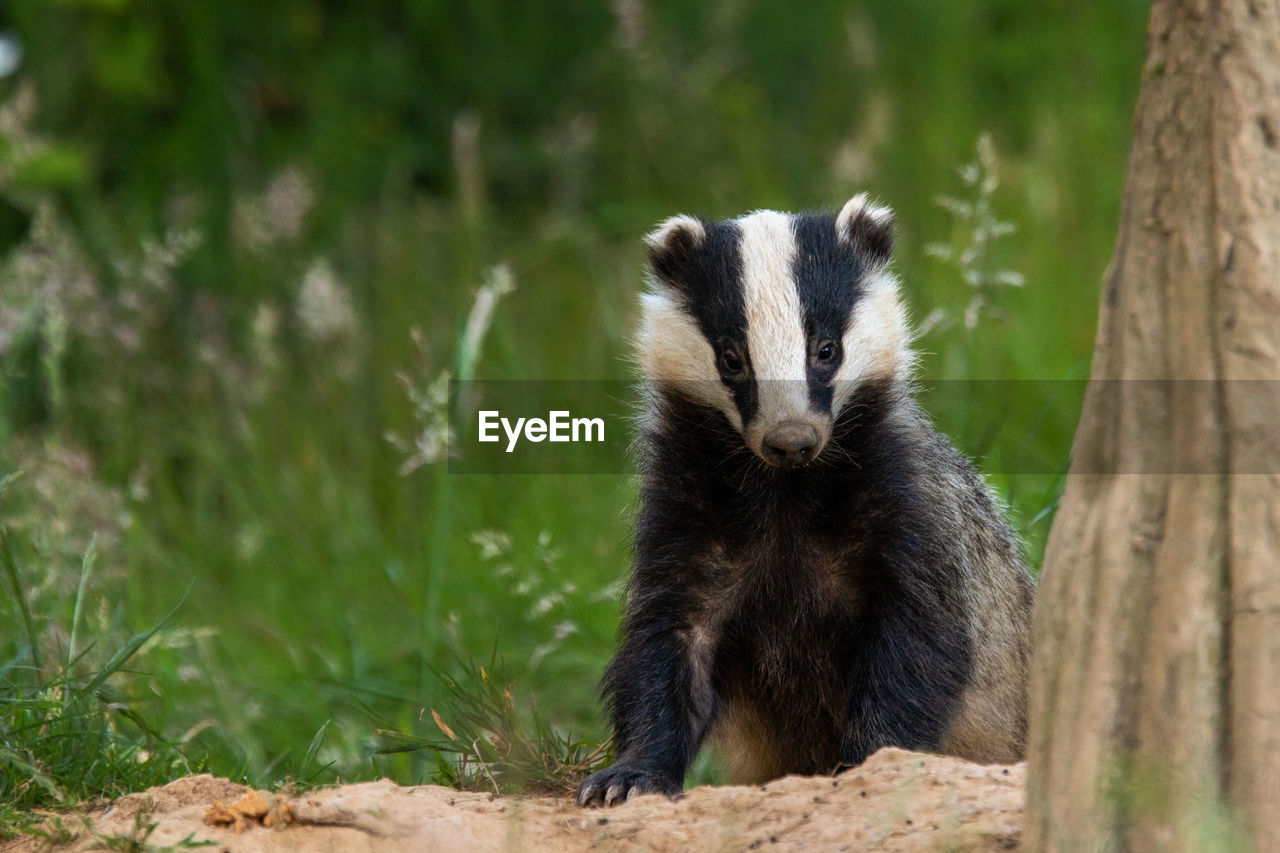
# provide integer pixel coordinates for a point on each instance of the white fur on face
(775, 321)
(877, 342)
(672, 349)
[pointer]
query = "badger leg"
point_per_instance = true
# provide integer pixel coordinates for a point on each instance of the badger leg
(662, 704)
(905, 687)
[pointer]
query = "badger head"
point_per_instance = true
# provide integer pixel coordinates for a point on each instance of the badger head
(775, 320)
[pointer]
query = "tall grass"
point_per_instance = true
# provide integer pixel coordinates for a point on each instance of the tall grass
(69, 728)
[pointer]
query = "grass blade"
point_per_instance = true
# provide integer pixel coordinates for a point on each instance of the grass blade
(130, 648)
(11, 569)
(86, 568)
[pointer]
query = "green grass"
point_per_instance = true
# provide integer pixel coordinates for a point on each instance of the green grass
(491, 742)
(200, 383)
(69, 731)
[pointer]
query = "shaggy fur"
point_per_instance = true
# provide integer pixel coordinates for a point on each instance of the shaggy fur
(802, 615)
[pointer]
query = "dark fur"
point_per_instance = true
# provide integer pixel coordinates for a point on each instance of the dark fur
(827, 603)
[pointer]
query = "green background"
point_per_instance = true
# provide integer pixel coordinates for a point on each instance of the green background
(221, 224)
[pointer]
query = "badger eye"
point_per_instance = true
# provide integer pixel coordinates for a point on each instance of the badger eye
(827, 352)
(730, 363)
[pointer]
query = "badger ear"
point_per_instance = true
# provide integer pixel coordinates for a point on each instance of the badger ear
(672, 247)
(867, 227)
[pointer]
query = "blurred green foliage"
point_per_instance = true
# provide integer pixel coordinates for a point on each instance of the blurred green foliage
(221, 223)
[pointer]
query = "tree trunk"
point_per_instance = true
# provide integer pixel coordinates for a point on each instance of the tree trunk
(1155, 692)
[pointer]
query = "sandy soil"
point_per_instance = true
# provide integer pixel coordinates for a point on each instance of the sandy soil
(895, 801)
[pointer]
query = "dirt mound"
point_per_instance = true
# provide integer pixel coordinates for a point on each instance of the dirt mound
(895, 801)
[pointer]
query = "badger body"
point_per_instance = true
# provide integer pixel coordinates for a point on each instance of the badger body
(817, 572)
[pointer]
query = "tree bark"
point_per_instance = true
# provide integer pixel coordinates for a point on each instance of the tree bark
(1155, 690)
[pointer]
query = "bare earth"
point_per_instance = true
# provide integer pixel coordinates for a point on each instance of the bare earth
(895, 801)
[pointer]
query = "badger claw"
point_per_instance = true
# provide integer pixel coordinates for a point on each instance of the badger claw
(621, 782)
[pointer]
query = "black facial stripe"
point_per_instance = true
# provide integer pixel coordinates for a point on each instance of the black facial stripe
(746, 398)
(828, 276)
(820, 394)
(711, 280)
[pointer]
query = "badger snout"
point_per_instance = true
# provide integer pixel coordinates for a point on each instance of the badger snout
(791, 443)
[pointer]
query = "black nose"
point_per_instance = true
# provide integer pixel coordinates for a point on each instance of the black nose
(790, 444)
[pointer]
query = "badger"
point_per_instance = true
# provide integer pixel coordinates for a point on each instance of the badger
(817, 573)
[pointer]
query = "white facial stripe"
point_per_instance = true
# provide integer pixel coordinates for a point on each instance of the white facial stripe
(877, 342)
(775, 319)
(672, 349)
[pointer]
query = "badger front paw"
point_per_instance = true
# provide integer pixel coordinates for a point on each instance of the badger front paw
(620, 782)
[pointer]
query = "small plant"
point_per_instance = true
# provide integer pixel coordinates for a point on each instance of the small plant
(489, 742)
(53, 831)
(65, 737)
(430, 398)
(137, 839)
(547, 601)
(429, 393)
(971, 255)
